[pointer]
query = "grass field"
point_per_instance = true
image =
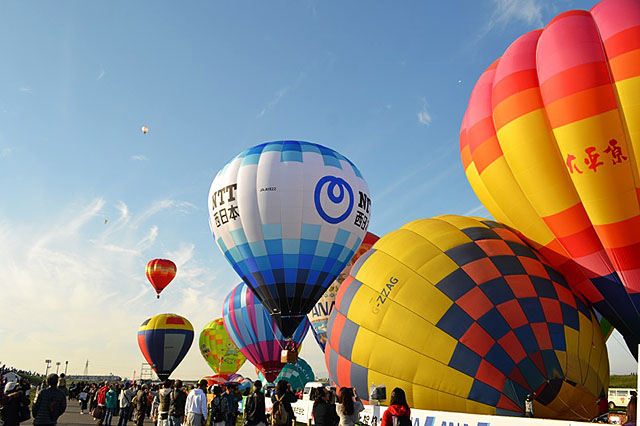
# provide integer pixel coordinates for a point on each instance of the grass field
(629, 381)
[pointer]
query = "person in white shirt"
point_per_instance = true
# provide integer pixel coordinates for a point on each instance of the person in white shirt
(196, 405)
(126, 396)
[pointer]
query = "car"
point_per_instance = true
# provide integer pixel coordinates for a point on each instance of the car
(619, 397)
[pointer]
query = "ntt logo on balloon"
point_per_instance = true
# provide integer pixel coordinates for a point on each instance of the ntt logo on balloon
(336, 189)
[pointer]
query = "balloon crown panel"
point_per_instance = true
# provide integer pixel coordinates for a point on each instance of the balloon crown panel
(289, 216)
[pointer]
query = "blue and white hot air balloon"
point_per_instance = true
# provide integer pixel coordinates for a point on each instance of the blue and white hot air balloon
(289, 216)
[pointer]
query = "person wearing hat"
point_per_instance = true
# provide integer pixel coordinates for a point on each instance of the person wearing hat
(50, 403)
(196, 405)
(15, 399)
(254, 411)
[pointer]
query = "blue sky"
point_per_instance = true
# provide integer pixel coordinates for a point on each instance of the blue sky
(384, 83)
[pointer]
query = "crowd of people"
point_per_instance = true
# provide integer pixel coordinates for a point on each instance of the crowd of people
(171, 404)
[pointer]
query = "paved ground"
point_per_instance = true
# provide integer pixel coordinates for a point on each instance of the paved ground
(72, 417)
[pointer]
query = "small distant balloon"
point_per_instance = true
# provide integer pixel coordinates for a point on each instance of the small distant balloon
(145, 130)
(459, 81)
(105, 221)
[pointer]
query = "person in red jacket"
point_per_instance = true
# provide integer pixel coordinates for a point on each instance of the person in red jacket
(398, 413)
(101, 398)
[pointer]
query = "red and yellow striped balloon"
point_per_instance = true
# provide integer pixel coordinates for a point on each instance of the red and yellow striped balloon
(548, 143)
(160, 273)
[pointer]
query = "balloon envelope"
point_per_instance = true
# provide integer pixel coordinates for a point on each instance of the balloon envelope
(255, 333)
(218, 350)
(319, 315)
(160, 272)
(164, 341)
(550, 143)
(465, 317)
(289, 216)
(298, 374)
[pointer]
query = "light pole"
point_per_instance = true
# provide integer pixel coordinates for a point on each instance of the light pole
(66, 365)
(57, 366)
(48, 362)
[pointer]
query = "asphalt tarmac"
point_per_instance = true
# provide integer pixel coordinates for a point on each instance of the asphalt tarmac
(72, 417)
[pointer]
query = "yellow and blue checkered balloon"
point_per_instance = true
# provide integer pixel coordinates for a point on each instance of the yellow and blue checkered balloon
(289, 216)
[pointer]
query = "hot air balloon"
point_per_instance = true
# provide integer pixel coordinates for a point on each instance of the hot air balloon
(465, 317)
(298, 374)
(145, 130)
(218, 350)
(549, 143)
(320, 313)
(160, 273)
(218, 379)
(255, 332)
(289, 216)
(164, 341)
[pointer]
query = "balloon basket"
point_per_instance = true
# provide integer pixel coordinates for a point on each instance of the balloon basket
(288, 356)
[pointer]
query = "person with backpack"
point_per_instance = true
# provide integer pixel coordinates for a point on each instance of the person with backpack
(254, 409)
(282, 412)
(177, 402)
(324, 412)
(349, 407)
(219, 407)
(398, 413)
(232, 403)
(50, 404)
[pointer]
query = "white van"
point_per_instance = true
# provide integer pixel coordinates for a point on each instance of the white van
(307, 394)
(619, 397)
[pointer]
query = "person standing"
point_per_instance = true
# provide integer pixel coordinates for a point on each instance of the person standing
(14, 400)
(398, 413)
(631, 412)
(219, 407)
(83, 398)
(177, 402)
(141, 405)
(254, 409)
(101, 399)
(284, 397)
(528, 406)
(232, 403)
(164, 400)
(111, 400)
(196, 405)
(62, 384)
(50, 403)
(348, 407)
(126, 396)
(324, 412)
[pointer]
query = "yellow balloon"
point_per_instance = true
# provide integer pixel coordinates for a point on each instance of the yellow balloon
(465, 317)
(218, 350)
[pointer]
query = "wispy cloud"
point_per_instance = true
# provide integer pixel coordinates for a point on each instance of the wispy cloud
(139, 157)
(423, 115)
(25, 89)
(87, 281)
(5, 152)
(280, 94)
(477, 209)
(528, 12)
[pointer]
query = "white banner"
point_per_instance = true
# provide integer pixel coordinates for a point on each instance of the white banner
(373, 414)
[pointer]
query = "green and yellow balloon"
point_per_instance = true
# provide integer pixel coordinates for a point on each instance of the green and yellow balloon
(218, 350)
